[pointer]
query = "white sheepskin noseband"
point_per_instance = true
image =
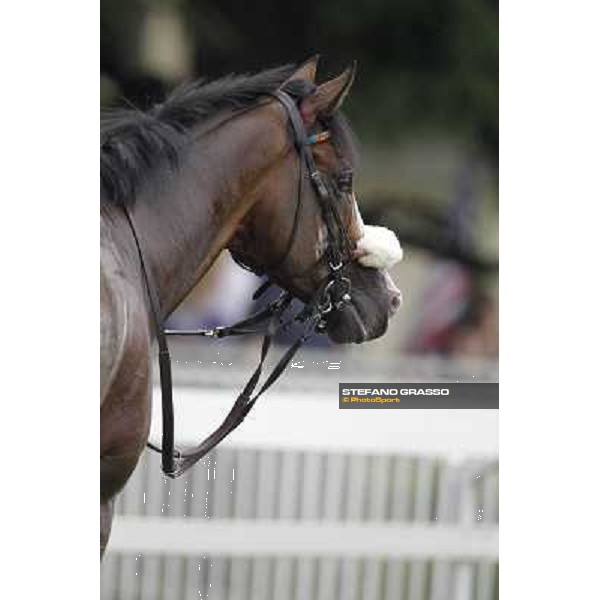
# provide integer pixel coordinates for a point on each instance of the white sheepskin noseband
(379, 248)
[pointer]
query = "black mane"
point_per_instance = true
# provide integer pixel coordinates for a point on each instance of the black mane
(133, 143)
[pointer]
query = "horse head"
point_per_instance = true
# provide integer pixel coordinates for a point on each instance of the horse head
(305, 229)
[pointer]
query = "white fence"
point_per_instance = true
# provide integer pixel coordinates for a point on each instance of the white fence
(306, 502)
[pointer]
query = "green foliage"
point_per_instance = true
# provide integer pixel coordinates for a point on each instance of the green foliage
(424, 65)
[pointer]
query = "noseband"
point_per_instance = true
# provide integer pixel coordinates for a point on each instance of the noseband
(332, 294)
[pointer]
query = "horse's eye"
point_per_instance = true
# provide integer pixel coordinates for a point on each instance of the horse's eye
(344, 181)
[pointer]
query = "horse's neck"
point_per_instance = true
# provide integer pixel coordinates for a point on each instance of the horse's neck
(188, 216)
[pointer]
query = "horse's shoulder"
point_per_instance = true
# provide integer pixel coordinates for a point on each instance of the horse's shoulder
(124, 327)
(125, 374)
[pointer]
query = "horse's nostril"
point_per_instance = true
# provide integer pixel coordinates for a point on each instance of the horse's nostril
(395, 303)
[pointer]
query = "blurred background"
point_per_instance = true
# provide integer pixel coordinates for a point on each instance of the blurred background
(394, 505)
(424, 107)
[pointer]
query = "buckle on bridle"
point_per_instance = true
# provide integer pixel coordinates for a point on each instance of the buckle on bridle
(321, 326)
(317, 180)
(326, 305)
(345, 180)
(214, 332)
(345, 296)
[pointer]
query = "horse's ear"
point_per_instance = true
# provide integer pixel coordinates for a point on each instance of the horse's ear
(328, 96)
(307, 70)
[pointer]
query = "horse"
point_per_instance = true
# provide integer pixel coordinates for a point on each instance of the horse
(214, 167)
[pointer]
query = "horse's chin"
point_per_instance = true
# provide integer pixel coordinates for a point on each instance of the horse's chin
(347, 326)
(366, 316)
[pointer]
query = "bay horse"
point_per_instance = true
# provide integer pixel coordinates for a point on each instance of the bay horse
(214, 167)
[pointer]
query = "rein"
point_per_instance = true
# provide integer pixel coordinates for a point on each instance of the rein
(332, 295)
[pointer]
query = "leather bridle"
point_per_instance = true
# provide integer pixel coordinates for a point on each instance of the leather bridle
(333, 293)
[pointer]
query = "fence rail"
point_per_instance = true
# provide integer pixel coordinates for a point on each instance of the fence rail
(301, 504)
(230, 537)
